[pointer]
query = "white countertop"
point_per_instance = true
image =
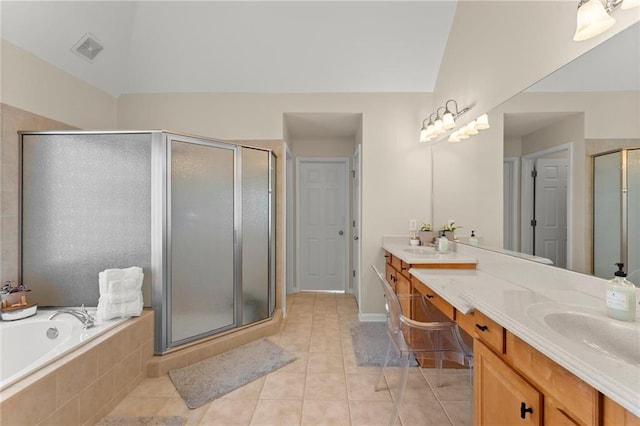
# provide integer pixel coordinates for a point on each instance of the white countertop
(400, 248)
(520, 308)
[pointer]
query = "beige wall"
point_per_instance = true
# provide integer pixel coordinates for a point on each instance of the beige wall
(496, 49)
(33, 85)
(395, 175)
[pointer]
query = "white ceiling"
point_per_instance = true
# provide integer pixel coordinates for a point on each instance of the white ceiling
(279, 47)
(239, 46)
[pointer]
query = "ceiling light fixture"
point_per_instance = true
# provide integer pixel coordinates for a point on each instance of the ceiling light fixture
(594, 16)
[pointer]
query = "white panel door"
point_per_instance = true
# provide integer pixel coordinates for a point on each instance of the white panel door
(322, 219)
(551, 210)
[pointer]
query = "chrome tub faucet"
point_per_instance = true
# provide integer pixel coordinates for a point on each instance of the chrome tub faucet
(82, 315)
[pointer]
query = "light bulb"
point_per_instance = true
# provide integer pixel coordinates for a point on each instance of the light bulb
(592, 19)
(423, 135)
(482, 122)
(448, 122)
(437, 127)
(629, 4)
(453, 137)
(470, 128)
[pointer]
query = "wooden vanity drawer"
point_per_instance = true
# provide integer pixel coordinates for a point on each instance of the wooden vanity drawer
(396, 262)
(433, 298)
(570, 395)
(479, 325)
(387, 257)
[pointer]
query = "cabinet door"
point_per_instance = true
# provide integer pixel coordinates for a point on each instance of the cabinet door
(555, 415)
(403, 287)
(616, 415)
(501, 396)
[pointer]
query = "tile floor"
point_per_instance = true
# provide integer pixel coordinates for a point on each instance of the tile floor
(324, 386)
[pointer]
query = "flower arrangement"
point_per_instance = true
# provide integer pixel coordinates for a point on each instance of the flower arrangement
(13, 295)
(425, 227)
(450, 226)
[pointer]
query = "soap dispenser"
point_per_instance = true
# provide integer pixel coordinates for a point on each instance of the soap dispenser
(621, 297)
(443, 245)
(472, 239)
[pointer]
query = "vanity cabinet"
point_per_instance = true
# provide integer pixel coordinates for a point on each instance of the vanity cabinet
(616, 415)
(484, 328)
(519, 385)
(400, 282)
(501, 396)
(432, 297)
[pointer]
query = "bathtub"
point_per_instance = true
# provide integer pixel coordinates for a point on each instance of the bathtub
(26, 346)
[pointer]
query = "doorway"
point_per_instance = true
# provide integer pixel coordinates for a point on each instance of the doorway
(322, 212)
(545, 201)
(355, 214)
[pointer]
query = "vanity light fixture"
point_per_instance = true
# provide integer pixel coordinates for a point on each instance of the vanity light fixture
(594, 16)
(449, 117)
(442, 124)
(426, 133)
(438, 125)
(470, 129)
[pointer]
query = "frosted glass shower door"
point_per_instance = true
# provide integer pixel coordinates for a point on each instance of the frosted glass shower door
(255, 235)
(633, 215)
(607, 214)
(202, 201)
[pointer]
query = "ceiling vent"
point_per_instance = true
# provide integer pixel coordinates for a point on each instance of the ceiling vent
(88, 47)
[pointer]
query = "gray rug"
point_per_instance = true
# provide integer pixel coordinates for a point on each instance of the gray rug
(141, 421)
(370, 343)
(207, 380)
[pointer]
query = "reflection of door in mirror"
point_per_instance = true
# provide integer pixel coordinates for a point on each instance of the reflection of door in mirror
(616, 213)
(544, 203)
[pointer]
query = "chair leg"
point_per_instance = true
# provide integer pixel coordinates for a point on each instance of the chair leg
(402, 386)
(439, 372)
(386, 361)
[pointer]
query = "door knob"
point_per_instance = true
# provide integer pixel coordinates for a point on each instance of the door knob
(356, 237)
(340, 232)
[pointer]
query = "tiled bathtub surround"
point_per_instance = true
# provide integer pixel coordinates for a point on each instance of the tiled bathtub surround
(83, 386)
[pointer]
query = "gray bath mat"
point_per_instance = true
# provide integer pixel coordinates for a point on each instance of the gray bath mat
(141, 421)
(370, 343)
(207, 380)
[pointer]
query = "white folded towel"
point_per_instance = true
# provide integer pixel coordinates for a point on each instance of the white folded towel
(120, 293)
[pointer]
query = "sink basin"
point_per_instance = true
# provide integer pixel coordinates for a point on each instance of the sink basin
(422, 251)
(592, 330)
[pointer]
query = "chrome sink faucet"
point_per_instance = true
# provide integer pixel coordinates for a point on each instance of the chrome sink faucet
(82, 315)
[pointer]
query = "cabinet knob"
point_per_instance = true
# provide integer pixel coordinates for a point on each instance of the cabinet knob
(482, 328)
(524, 410)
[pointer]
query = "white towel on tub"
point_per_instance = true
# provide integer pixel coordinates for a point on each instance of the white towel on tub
(120, 293)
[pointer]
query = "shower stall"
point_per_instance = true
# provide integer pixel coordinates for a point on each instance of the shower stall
(196, 214)
(616, 213)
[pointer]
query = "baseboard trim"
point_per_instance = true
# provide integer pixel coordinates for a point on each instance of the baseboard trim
(372, 317)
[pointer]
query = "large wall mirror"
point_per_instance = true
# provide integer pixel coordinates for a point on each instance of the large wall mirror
(578, 132)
